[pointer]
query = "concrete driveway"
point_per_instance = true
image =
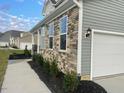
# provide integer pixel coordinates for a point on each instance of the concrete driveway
(112, 84)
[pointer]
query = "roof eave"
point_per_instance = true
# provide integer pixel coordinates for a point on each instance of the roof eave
(45, 20)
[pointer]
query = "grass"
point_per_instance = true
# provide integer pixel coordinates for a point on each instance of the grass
(4, 54)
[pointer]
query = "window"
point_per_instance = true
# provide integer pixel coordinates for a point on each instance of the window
(50, 42)
(63, 32)
(42, 45)
(51, 35)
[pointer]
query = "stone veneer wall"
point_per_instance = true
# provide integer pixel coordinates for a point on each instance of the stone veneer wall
(67, 61)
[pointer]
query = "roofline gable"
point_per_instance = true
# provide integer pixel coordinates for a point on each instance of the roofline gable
(55, 4)
(58, 10)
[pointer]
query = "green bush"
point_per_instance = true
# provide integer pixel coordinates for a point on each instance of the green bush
(34, 57)
(39, 58)
(14, 46)
(54, 71)
(46, 66)
(70, 82)
(27, 53)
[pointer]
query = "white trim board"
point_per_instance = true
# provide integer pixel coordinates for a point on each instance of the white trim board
(80, 36)
(107, 32)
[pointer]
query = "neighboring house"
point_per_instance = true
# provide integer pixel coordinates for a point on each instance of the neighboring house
(86, 36)
(25, 40)
(14, 36)
(3, 43)
(1, 34)
(9, 37)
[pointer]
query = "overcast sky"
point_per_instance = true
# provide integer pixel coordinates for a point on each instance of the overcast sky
(20, 14)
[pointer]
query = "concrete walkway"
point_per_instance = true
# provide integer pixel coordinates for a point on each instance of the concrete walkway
(20, 78)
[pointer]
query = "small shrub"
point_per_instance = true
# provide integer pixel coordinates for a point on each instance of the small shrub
(33, 57)
(46, 67)
(70, 82)
(27, 53)
(54, 71)
(14, 46)
(39, 59)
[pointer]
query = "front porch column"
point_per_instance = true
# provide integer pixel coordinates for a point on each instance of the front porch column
(38, 42)
(32, 42)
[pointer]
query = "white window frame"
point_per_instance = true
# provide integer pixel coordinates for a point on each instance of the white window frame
(66, 33)
(52, 23)
(42, 35)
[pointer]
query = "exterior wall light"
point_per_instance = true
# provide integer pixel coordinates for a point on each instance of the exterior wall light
(88, 32)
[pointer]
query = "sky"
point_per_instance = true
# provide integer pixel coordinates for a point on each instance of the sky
(20, 14)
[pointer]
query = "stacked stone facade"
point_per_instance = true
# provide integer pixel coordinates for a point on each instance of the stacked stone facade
(67, 60)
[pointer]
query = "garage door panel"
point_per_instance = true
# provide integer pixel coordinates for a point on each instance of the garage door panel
(108, 54)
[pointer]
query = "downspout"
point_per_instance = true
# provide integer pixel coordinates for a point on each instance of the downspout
(79, 3)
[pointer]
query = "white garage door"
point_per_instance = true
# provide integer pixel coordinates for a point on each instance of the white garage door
(29, 45)
(108, 54)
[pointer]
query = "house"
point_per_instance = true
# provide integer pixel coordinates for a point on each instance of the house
(4, 41)
(1, 34)
(25, 40)
(86, 36)
(9, 37)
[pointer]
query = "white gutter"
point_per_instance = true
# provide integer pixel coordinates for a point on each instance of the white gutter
(79, 3)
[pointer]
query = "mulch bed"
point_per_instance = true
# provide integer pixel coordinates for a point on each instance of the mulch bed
(90, 87)
(55, 84)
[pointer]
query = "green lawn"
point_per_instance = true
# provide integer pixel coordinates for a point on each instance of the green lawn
(4, 54)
